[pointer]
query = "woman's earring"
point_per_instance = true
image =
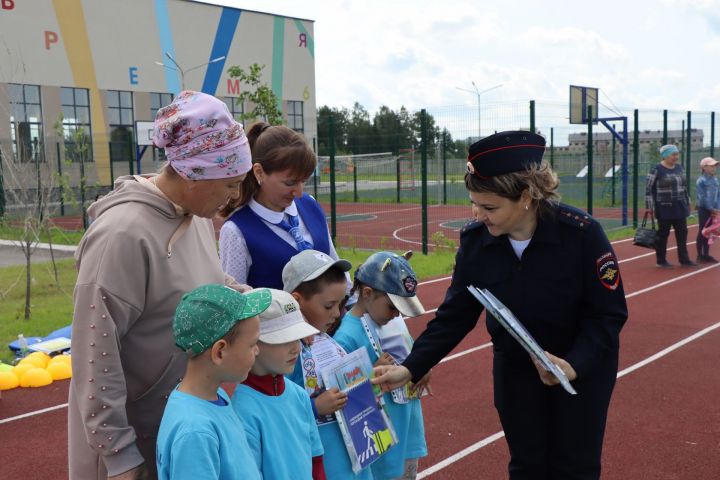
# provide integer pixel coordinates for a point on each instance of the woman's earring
(526, 207)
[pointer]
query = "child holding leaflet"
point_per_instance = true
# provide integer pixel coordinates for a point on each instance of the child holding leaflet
(200, 435)
(386, 285)
(318, 284)
(278, 415)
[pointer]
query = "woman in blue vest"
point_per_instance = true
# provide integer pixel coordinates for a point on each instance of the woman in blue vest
(276, 219)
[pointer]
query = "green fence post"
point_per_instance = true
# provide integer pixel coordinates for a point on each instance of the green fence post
(38, 187)
(532, 116)
(636, 161)
(112, 170)
(612, 195)
(331, 146)
(131, 160)
(688, 151)
(712, 134)
(423, 173)
(317, 169)
(355, 168)
(444, 165)
(62, 189)
(552, 148)
(590, 160)
(397, 177)
(82, 191)
(665, 128)
(2, 187)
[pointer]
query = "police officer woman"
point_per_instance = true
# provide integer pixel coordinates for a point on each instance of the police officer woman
(553, 266)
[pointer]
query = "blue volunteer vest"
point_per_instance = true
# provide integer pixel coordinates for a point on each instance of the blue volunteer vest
(269, 252)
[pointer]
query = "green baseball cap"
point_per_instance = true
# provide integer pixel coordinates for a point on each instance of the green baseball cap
(207, 313)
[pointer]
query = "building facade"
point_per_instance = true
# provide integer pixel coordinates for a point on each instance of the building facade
(90, 69)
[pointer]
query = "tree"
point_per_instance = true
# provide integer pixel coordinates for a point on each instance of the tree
(341, 118)
(360, 131)
(262, 98)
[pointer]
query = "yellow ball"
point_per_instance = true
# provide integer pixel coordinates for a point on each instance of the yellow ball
(36, 377)
(8, 380)
(59, 370)
(42, 356)
(60, 359)
(4, 367)
(23, 367)
(36, 361)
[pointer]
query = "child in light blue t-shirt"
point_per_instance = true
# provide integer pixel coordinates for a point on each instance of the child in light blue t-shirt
(200, 435)
(318, 283)
(385, 286)
(278, 417)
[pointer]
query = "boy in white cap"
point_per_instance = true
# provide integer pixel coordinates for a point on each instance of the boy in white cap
(708, 204)
(278, 416)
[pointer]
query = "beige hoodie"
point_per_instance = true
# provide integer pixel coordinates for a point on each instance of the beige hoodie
(137, 259)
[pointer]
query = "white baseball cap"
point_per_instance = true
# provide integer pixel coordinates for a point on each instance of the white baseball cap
(282, 321)
(309, 265)
(708, 161)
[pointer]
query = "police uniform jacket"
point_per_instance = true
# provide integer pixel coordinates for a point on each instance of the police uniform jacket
(566, 290)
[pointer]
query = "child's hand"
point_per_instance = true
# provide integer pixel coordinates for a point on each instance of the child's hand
(385, 359)
(330, 401)
(422, 384)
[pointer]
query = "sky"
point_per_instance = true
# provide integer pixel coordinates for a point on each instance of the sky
(641, 54)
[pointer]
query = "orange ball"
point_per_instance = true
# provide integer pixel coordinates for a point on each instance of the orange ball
(8, 380)
(59, 370)
(23, 367)
(36, 377)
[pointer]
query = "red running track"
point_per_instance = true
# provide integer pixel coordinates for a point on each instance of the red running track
(664, 423)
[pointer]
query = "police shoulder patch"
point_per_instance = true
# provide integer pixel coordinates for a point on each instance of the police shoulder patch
(608, 271)
(470, 226)
(575, 217)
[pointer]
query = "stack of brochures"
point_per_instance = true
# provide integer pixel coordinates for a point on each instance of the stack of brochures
(508, 320)
(366, 428)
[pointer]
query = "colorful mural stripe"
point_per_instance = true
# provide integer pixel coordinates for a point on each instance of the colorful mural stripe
(71, 19)
(221, 46)
(162, 17)
(310, 40)
(278, 58)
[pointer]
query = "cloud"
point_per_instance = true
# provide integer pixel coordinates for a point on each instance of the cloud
(574, 39)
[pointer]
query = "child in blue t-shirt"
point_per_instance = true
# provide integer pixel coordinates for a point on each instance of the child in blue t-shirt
(200, 435)
(708, 205)
(278, 417)
(386, 285)
(318, 284)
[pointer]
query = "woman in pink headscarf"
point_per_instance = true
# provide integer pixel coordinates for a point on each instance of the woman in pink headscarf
(152, 240)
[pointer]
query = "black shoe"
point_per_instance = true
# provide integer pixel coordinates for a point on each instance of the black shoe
(664, 264)
(709, 259)
(688, 263)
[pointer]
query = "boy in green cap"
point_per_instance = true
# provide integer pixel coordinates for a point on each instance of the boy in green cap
(200, 434)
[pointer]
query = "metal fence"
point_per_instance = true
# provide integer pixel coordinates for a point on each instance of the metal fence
(387, 188)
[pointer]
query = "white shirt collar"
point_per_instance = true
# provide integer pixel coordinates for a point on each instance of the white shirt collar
(272, 216)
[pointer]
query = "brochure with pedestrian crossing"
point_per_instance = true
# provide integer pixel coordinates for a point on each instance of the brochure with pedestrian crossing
(366, 428)
(510, 322)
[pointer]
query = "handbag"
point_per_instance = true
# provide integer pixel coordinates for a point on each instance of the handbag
(711, 230)
(646, 237)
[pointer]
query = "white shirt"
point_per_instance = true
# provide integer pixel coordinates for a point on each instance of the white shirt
(519, 246)
(234, 254)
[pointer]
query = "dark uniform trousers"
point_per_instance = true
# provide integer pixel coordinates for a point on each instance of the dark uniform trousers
(566, 290)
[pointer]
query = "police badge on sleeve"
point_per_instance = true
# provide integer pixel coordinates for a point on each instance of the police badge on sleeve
(608, 271)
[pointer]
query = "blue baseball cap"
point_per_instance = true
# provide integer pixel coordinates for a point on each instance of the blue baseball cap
(391, 273)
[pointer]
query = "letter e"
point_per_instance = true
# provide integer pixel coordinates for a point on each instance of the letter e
(133, 75)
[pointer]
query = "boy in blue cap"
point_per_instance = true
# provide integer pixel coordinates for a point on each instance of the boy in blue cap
(200, 435)
(386, 285)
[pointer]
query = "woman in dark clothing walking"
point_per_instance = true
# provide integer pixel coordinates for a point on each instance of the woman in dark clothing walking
(666, 193)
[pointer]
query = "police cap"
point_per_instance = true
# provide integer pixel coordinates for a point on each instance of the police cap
(505, 152)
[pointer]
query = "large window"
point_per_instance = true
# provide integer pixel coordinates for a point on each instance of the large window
(295, 115)
(236, 108)
(26, 122)
(120, 115)
(157, 101)
(76, 123)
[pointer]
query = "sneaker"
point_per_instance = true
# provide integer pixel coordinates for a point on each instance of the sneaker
(709, 259)
(665, 264)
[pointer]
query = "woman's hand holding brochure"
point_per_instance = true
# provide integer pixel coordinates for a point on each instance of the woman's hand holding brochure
(390, 377)
(548, 378)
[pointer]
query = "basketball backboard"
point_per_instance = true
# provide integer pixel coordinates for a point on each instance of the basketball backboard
(580, 99)
(144, 132)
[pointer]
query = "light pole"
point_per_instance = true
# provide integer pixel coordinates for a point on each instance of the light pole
(479, 93)
(183, 72)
